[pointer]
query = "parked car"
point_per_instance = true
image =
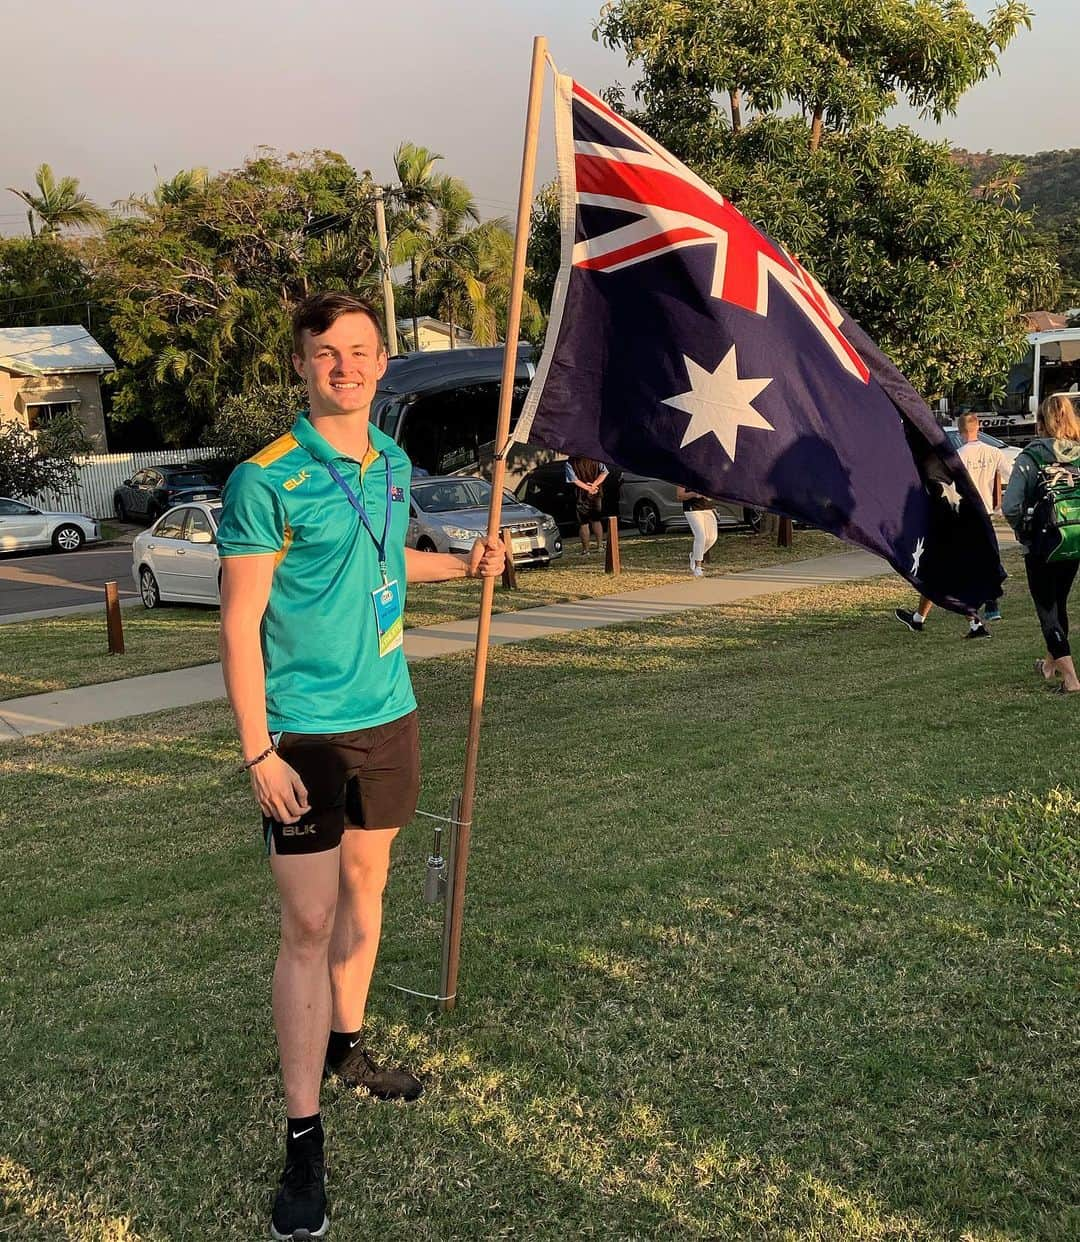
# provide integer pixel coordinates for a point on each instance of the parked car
(448, 513)
(649, 504)
(176, 560)
(24, 526)
(148, 493)
(1010, 451)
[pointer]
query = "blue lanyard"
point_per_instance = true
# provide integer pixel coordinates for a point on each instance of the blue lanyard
(380, 544)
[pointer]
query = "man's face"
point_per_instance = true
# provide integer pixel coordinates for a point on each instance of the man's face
(342, 366)
(970, 431)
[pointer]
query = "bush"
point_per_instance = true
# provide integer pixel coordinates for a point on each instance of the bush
(249, 420)
(32, 463)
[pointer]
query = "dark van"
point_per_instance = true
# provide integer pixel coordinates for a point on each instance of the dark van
(442, 407)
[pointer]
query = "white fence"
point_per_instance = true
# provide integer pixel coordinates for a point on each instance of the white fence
(101, 473)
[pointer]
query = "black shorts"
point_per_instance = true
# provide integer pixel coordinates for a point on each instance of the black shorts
(366, 778)
(590, 508)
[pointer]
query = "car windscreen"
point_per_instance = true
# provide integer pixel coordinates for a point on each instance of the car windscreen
(451, 494)
(189, 478)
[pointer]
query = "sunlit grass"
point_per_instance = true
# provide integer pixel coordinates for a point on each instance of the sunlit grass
(770, 933)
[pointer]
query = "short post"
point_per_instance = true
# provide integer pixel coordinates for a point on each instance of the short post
(509, 578)
(113, 621)
(612, 559)
(784, 533)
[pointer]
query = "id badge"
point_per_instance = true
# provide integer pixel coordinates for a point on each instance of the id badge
(388, 618)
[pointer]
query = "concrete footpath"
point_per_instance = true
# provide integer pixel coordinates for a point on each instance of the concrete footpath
(134, 696)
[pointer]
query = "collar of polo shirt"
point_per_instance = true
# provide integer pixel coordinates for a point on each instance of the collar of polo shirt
(321, 449)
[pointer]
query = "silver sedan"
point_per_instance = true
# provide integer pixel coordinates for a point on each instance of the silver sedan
(176, 560)
(25, 526)
(448, 513)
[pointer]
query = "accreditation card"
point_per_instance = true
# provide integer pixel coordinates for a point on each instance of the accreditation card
(388, 619)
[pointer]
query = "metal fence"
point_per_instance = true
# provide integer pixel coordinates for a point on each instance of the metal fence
(101, 473)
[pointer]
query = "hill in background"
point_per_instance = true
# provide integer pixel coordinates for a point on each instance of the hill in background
(1049, 186)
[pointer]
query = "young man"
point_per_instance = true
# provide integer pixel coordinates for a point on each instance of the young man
(314, 567)
(988, 470)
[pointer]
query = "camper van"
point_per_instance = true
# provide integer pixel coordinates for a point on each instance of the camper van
(1051, 365)
(442, 407)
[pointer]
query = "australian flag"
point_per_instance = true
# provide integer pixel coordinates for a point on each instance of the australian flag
(685, 345)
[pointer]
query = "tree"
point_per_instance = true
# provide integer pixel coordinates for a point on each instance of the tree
(200, 285)
(886, 220)
(43, 461)
(43, 280)
(59, 204)
(545, 247)
(249, 420)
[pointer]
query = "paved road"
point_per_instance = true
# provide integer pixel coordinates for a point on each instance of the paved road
(32, 581)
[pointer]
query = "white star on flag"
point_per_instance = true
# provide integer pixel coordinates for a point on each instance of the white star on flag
(916, 559)
(951, 493)
(719, 402)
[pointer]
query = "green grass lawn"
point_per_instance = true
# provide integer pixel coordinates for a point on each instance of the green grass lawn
(56, 653)
(771, 934)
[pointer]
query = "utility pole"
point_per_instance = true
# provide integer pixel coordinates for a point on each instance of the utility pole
(384, 268)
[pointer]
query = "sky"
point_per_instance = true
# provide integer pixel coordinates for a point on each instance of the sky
(111, 92)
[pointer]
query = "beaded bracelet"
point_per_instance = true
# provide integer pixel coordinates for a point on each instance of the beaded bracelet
(250, 763)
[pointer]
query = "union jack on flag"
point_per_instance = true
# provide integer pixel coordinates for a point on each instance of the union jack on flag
(684, 344)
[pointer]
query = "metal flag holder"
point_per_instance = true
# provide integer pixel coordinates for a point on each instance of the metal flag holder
(439, 886)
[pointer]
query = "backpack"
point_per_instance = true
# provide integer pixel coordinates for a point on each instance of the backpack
(1054, 523)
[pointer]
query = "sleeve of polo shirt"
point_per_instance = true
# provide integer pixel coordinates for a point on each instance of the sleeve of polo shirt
(252, 519)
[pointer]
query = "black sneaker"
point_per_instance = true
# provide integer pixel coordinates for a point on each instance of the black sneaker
(300, 1207)
(911, 619)
(977, 631)
(359, 1070)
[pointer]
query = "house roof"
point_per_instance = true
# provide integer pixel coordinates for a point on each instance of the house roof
(433, 325)
(1045, 321)
(52, 350)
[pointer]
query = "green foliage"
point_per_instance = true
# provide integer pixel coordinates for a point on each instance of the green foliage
(249, 420)
(200, 279)
(544, 246)
(58, 204)
(33, 462)
(1048, 185)
(43, 280)
(842, 62)
(887, 222)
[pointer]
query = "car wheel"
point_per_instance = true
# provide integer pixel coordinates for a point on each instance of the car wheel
(68, 539)
(753, 518)
(424, 544)
(148, 588)
(647, 517)
(120, 509)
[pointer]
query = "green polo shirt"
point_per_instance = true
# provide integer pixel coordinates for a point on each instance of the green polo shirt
(319, 636)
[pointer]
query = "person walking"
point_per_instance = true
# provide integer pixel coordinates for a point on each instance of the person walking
(987, 468)
(587, 477)
(1057, 440)
(313, 575)
(700, 514)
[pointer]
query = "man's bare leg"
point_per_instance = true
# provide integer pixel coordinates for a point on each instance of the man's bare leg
(924, 607)
(583, 535)
(365, 861)
(308, 885)
(365, 864)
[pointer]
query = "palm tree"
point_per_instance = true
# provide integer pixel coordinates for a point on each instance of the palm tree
(431, 207)
(59, 203)
(181, 188)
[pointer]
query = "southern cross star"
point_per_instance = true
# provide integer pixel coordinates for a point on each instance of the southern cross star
(916, 559)
(951, 493)
(719, 402)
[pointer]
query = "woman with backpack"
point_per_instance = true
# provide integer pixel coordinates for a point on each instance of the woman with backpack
(1040, 505)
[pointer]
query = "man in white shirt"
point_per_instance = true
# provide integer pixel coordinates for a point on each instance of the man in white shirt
(989, 471)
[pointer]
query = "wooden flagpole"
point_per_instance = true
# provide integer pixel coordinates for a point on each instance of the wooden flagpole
(448, 988)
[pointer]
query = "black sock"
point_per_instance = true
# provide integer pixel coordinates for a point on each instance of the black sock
(303, 1133)
(339, 1045)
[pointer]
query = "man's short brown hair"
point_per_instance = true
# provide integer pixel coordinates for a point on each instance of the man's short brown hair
(966, 421)
(317, 312)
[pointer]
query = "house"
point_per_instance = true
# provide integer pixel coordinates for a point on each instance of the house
(434, 334)
(53, 370)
